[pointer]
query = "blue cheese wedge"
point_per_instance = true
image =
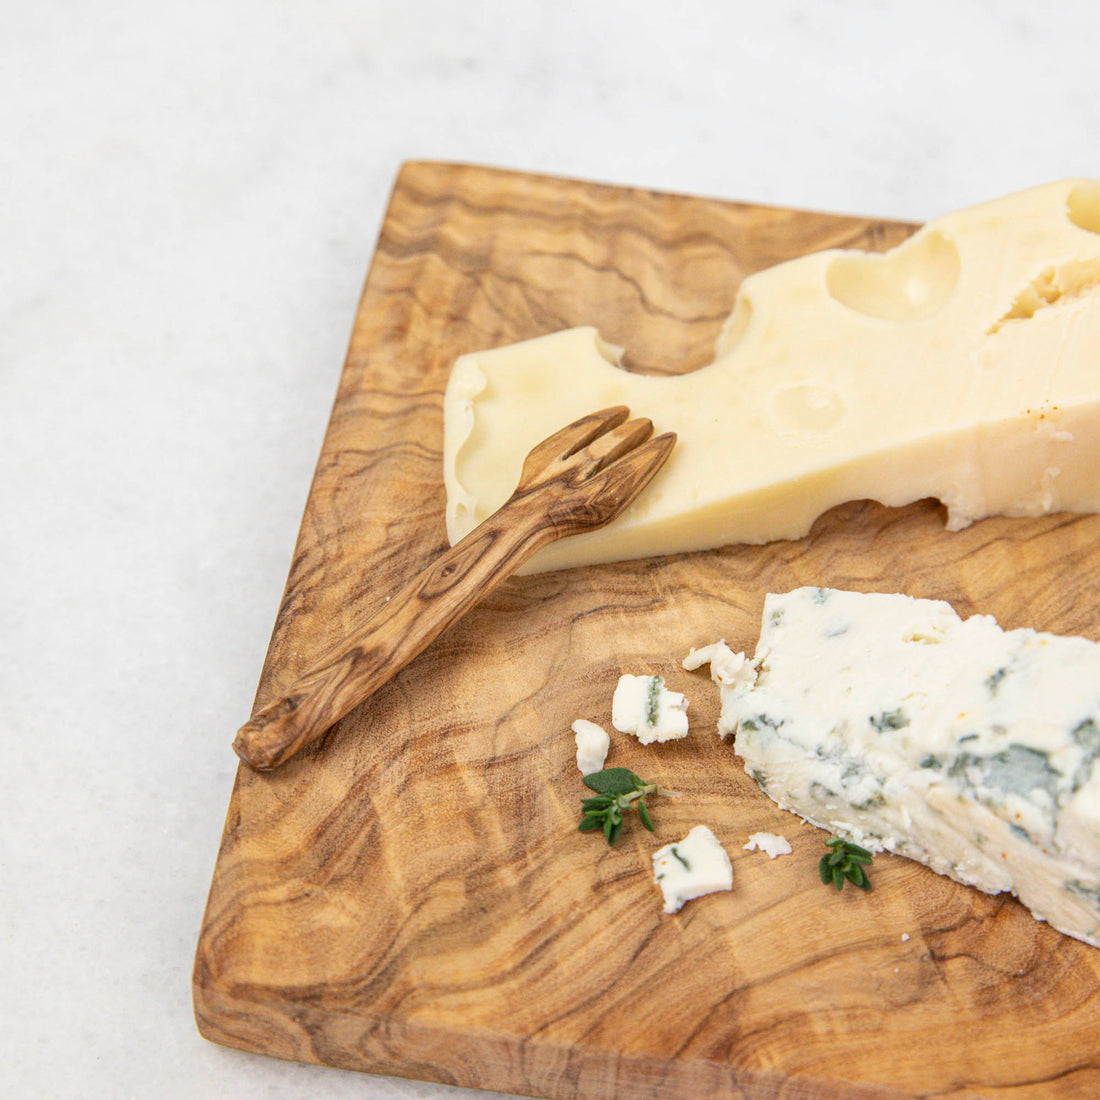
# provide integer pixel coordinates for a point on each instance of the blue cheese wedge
(894, 723)
(592, 745)
(643, 706)
(692, 867)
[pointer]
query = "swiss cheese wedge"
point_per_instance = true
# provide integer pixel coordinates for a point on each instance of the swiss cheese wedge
(962, 365)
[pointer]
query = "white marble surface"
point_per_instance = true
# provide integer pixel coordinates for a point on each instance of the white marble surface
(189, 197)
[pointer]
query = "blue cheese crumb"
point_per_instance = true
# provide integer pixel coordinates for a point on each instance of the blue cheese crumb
(692, 867)
(769, 843)
(592, 745)
(726, 667)
(734, 673)
(643, 706)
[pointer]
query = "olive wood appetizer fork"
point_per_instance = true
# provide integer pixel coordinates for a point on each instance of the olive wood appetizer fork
(579, 479)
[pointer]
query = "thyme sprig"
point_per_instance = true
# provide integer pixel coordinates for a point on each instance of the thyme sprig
(845, 860)
(618, 789)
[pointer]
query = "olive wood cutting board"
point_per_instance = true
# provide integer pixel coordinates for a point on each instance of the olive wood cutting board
(412, 897)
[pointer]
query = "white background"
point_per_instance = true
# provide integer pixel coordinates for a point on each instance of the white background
(190, 192)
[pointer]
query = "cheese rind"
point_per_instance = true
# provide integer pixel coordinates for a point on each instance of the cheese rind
(962, 365)
(894, 723)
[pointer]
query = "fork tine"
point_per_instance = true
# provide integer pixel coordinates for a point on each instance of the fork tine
(570, 439)
(612, 445)
(625, 478)
(590, 428)
(597, 498)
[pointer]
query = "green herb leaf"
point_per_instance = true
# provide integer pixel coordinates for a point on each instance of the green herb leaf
(594, 805)
(844, 862)
(613, 781)
(619, 789)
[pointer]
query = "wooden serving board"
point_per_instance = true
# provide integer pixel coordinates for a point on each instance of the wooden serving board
(413, 897)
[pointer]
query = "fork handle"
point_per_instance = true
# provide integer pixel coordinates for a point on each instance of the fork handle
(400, 630)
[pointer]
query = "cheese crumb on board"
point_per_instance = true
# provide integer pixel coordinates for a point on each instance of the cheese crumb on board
(894, 723)
(959, 365)
(769, 843)
(733, 672)
(643, 706)
(692, 867)
(592, 745)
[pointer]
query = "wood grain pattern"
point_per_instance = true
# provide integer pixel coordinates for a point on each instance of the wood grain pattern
(414, 898)
(579, 479)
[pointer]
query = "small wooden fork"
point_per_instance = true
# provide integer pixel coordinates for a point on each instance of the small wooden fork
(579, 479)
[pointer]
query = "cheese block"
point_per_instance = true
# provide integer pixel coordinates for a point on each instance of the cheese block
(892, 722)
(963, 365)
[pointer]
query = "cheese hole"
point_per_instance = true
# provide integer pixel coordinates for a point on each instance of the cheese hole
(909, 283)
(1053, 286)
(1083, 206)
